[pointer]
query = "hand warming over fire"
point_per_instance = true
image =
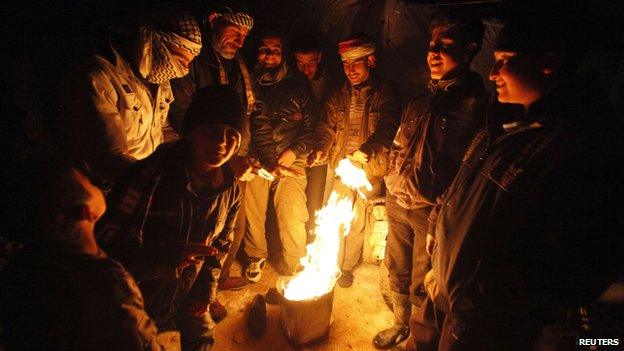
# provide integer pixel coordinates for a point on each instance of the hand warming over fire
(286, 158)
(317, 156)
(359, 156)
(243, 169)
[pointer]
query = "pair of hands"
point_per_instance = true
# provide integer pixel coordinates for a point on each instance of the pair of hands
(319, 156)
(178, 257)
(246, 169)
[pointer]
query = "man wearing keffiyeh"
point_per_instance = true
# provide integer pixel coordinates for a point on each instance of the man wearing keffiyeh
(115, 105)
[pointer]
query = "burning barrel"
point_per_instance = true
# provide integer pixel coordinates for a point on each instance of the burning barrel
(308, 321)
(306, 300)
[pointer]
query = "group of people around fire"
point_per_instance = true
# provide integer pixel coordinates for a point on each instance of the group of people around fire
(174, 150)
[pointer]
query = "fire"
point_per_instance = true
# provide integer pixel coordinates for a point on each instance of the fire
(333, 221)
(352, 176)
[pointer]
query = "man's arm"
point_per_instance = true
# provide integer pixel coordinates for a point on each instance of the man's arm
(203, 291)
(92, 123)
(389, 119)
(183, 90)
(126, 324)
(302, 145)
(262, 137)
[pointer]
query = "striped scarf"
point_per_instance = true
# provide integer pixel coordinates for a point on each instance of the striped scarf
(169, 27)
(223, 79)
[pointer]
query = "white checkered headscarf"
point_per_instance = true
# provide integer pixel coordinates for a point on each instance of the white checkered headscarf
(236, 14)
(171, 26)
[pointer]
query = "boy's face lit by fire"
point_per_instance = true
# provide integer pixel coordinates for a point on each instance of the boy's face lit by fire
(214, 144)
(519, 78)
(447, 56)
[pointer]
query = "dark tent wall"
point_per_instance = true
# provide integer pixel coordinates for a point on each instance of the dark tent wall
(43, 39)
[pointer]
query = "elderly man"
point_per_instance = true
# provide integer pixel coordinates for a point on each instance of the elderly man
(360, 121)
(115, 105)
(165, 210)
(219, 62)
(281, 140)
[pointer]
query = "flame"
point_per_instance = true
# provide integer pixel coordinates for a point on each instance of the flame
(333, 221)
(352, 176)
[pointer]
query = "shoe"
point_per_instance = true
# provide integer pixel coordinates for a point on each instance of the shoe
(390, 337)
(272, 296)
(346, 279)
(257, 319)
(233, 283)
(218, 312)
(253, 273)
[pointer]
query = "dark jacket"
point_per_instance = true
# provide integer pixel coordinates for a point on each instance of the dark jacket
(381, 118)
(435, 129)
(204, 71)
(286, 118)
(528, 225)
(55, 299)
(152, 209)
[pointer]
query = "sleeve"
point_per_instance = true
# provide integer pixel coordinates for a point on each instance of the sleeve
(205, 286)
(433, 215)
(225, 238)
(389, 119)
(307, 105)
(169, 133)
(262, 136)
(127, 325)
(119, 230)
(92, 124)
(183, 90)
(325, 133)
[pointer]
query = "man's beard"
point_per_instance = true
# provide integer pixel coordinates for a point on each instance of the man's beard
(225, 50)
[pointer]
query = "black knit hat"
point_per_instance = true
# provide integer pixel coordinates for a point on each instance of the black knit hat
(213, 104)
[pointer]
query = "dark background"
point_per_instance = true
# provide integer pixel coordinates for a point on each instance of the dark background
(42, 40)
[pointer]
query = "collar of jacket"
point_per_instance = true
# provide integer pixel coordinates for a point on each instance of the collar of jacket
(265, 77)
(468, 78)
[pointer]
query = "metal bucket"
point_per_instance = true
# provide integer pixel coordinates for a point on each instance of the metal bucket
(306, 322)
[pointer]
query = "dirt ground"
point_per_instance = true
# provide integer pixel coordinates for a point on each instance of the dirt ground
(358, 314)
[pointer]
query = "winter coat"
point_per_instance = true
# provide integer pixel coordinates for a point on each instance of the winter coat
(153, 208)
(528, 225)
(56, 299)
(380, 121)
(435, 130)
(204, 71)
(110, 117)
(286, 119)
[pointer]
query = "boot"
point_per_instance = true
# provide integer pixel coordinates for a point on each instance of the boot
(390, 337)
